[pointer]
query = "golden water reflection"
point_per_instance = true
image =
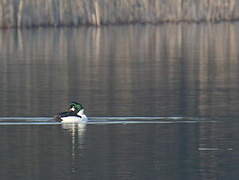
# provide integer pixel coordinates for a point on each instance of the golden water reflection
(165, 70)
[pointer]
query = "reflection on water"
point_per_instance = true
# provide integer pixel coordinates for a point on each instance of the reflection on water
(186, 70)
(166, 70)
(218, 146)
(77, 144)
(200, 151)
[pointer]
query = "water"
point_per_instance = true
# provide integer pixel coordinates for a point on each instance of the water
(122, 150)
(162, 101)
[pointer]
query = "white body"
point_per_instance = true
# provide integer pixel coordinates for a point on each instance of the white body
(75, 119)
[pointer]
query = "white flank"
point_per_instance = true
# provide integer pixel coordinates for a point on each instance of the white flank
(74, 119)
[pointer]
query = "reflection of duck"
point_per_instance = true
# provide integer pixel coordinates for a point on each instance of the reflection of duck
(76, 129)
(75, 114)
(77, 132)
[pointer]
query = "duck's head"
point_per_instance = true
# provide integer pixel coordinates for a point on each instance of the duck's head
(75, 106)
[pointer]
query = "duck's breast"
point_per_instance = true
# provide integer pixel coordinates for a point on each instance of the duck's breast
(73, 119)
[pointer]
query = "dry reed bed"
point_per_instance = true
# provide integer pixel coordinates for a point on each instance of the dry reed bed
(28, 13)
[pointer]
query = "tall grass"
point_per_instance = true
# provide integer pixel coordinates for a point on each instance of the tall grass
(28, 13)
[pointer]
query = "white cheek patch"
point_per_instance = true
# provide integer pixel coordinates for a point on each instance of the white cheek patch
(72, 109)
(81, 112)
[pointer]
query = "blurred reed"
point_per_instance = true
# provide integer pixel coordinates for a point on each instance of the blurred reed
(31, 13)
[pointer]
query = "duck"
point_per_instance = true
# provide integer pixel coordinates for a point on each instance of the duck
(75, 114)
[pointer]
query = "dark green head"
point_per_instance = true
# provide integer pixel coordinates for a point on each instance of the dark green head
(77, 106)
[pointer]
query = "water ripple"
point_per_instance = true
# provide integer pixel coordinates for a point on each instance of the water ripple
(106, 120)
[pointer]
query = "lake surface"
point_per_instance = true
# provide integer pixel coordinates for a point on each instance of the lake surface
(179, 81)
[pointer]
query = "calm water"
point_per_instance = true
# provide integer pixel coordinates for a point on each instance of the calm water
(189, 71)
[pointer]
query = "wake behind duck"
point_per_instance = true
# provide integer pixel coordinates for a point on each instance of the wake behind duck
(75, 114)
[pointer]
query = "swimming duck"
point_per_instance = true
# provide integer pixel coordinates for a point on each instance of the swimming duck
(75, 114)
